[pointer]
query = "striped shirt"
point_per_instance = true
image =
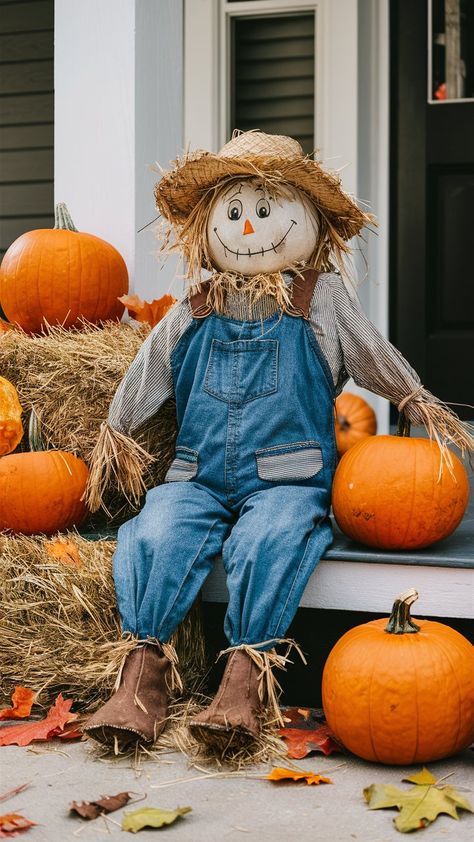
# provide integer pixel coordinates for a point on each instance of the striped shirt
(351, 344)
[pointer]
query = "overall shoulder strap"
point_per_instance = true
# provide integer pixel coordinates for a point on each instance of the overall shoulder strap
(198, 302)
(302, 290)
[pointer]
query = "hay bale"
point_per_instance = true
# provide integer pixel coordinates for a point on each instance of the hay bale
(70, 376)
(59, 628)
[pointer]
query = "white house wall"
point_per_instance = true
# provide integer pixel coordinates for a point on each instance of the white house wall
(118, 109)
(94, 138)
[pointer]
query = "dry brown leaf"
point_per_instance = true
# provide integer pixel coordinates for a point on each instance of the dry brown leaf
(105, 804)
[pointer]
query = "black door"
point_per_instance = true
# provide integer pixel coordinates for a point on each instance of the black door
(432, 194)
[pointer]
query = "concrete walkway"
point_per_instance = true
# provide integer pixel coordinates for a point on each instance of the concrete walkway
(223, 809)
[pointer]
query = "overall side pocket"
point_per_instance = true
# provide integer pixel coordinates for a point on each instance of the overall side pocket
(289, 462)
(184, 466)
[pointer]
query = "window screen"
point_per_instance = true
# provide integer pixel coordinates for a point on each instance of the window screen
(273, 76)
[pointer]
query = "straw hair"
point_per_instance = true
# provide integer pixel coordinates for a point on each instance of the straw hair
(189, 239)
(274, 159)
(60, 629)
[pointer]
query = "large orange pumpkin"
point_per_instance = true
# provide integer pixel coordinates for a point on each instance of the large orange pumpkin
(61, 275)
(41, 491)
(11, 428)
(401, 692)
(354, 420)
(388, 493)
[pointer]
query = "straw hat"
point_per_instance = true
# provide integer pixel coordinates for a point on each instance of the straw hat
(275, 158)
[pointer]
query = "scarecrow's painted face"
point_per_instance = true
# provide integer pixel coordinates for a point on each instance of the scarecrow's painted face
(250, 232)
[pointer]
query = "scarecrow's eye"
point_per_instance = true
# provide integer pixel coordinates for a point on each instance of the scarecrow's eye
(234, 210)
(263, 208)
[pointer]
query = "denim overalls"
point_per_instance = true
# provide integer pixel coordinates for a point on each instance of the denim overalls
(251, 479)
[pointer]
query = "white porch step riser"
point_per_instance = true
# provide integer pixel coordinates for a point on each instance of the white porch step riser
(361, 586)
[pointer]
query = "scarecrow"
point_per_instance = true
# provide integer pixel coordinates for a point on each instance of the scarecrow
(254, 357)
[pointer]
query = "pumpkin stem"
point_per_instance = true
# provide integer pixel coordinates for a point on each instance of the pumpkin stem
(35, 438)
(343, 422)
(62, 218)
(400, 621)
(404, 425)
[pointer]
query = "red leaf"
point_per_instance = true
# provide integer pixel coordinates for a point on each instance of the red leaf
(22, 735)
(12, 824)
(22, 699)
(302, 741)
(147, 311)
(307, 731)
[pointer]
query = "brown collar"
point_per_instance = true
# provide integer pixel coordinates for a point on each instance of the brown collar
(302, 290)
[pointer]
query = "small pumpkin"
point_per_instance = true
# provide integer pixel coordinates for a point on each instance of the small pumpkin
(401, 691)
(354, 420)
(61, 276)
(388, 492)
(41, 491)
(11, 428)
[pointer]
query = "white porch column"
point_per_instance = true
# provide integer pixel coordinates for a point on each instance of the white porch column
(118, 95)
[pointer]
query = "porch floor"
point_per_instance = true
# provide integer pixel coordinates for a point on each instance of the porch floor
(223, 809)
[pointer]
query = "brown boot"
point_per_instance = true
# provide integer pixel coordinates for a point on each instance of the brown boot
(137, 710)
(236, 706)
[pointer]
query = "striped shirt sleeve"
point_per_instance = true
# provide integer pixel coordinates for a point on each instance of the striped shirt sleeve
(148, 382)
(370, 359)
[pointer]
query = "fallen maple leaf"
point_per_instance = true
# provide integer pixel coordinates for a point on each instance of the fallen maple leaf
(307, 731)
(12, 824)
(106, 804)
(281, 774)
(22, 702)
(151, 817)
(64, 551)
(150, 312)
(302, 741)
(418, 806)
(22, 735)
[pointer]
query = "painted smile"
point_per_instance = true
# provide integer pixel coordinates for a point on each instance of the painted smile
(261, 251)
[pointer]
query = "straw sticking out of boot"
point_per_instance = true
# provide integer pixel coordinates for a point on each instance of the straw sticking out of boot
(269, 688)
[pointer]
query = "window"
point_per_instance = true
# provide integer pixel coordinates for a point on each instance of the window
(272, 75)
(450, 50)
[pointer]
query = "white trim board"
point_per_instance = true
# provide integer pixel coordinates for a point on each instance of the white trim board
(363, 586)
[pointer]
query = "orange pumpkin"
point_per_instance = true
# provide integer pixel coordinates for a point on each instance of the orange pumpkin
(61, 275)
(355, 420)
(388, 493)
(401, 692)
(41, 491)
(11, 428)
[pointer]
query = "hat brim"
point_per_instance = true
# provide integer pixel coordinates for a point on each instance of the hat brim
(181, 188)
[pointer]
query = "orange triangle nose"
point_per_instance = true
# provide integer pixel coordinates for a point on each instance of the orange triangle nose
(248, 227)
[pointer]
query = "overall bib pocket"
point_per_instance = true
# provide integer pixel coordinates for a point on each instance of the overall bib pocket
(241, 371)
(289, 462)
(184, 466)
